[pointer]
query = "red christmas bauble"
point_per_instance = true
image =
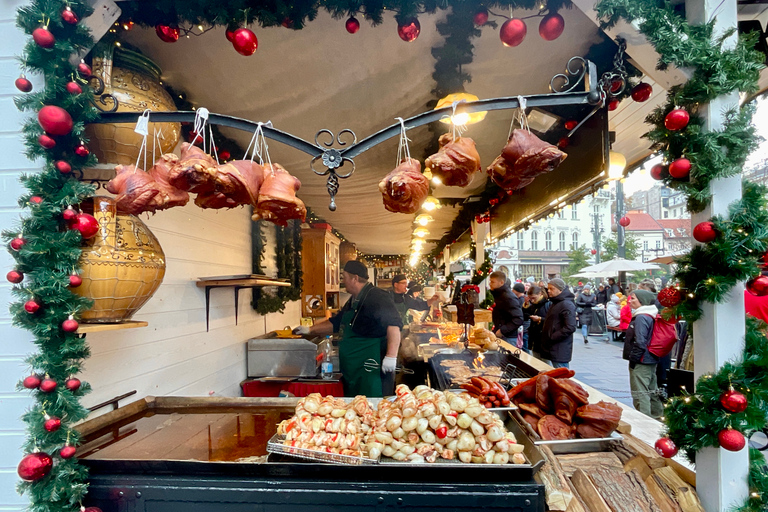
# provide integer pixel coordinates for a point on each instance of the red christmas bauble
(46, 141)
(513, 32)
(593, 252)
(616, 86)
(72, 384)
(128, 25)
(75, 280)
(86, 224)
(69, 325)
(245, 41)
(564, 142)
(43, 37)
(67, 452)
(84, 69)
(613, 104)
(641, 92)
(409, 30)
(704, 232)
(625, 221)
(495, 201)
(225, 155)
(666, 448)
(52, 424)
(733, 401)
(48, 385)
(31, 382)
(481, 17)
(288, 23)
(551, 26)
(69, 16)
(657, 172)
(571, 124)
(352, 25)
(676, 120)
(34, 466)
(55, 120)
(23, 84)
(731, 439)
(82, 150)
(69, 214)
(31, 306)
(670, 297)
(230, 33)
(17, 243)
(36, 200)
(167, 34)
(680, 168)
(74, 88)
(14, 276)
(63, 167)
(758, 286)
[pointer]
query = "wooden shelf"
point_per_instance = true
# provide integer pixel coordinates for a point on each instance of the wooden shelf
(236, 282)
(129, 324)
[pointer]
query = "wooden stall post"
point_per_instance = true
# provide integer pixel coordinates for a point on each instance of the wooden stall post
(481, 234)
(721, 475)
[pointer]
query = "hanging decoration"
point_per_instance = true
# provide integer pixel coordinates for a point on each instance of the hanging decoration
(43, 37)
(23, 84)
(35, 466)
(551, 26)
(658, 172)
(625, 221)
(680, 168)
(245, 42)
(733, 401)
(55, 120)
(642, 92)
(69, 16)
(513, 32)
(481, 17)
(352, 25)
(167, 33)
(409, 29)
(676, 120)
(758, 286)
(704, 232)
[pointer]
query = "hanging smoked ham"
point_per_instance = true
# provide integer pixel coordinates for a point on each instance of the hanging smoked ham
(405, 188)
(194, 172)
(171, 196)
(236, 183)
(523, 159)
(134, 188)
(455, 162)
(277, 200)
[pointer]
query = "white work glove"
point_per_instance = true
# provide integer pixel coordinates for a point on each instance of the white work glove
(302, 330)
(389, 364)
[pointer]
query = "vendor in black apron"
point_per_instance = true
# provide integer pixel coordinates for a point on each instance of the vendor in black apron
(404, 301)
(370, 327)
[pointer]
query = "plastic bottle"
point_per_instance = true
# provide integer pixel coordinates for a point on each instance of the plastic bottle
(326, 366)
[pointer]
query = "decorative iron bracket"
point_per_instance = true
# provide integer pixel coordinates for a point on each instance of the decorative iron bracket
(332, 160)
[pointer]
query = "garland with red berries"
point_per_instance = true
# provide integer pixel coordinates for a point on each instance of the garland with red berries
(731, 403)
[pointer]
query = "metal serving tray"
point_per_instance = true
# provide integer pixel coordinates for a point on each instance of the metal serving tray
(275, 445)
(600, 444)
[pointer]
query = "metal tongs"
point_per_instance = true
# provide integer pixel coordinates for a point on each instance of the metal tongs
(371, 365)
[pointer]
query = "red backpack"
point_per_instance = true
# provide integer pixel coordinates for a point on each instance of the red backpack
(663, 336)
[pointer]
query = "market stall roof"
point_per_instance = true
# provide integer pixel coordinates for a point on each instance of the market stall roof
(321, 77)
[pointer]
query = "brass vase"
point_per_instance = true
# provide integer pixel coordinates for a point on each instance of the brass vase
(121, 267)
(132, 83)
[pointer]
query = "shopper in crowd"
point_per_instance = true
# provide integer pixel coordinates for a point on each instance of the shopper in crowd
(602, 294)
(585, 301)
(369, 326)
(535, 311)
(642, 364)
(508, 313)
(612, 286)
(559, 325)
(626, 312)
(524, 301)
(647, 284)
(543, 286)
(613, 312)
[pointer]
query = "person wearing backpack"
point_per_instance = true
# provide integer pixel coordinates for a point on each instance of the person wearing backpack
(642, 363)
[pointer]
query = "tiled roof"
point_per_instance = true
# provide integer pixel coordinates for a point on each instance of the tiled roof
(679, 228)
(641, 221)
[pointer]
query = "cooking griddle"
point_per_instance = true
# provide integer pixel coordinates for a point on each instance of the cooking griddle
(511, 366)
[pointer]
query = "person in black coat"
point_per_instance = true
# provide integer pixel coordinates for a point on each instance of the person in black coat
(642, 363)
(559, 325)
(536, 312)
(508, 312)
(585, 301)
(602, 295)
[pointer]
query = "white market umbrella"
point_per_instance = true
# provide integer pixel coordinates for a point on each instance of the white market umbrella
(594, 275)
(619, 265)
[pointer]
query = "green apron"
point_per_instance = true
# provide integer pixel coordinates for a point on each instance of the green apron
(354, 351)
(402, 309)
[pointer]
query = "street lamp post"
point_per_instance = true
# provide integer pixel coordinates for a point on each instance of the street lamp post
(597, 232)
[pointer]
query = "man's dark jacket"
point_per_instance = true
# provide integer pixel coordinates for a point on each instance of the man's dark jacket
(508, 311)
(559, 326)
(375, 312)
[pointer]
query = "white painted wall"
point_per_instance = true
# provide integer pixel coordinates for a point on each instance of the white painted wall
(174, 355)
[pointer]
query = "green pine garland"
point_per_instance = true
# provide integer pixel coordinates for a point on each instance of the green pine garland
(51, 253)
(288, 260)
(709, 272)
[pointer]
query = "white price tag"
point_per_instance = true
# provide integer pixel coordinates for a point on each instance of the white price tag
(142, 125)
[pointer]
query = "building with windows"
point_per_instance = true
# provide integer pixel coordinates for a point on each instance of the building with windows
(541, 250)
(660, 202)
(664, 237)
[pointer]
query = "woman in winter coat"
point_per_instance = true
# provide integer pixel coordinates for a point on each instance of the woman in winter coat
(642, 364)
(585, 300)
(536, 312)
(613, 312)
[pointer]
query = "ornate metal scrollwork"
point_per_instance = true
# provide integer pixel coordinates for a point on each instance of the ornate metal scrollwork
(101, 99)
(572, 77)
(333, 159)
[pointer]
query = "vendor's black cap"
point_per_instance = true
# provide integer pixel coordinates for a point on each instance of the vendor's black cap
(356, 268)
(398, 278)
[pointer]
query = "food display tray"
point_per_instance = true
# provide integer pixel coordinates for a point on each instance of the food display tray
(275, 445)
(600, 444)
